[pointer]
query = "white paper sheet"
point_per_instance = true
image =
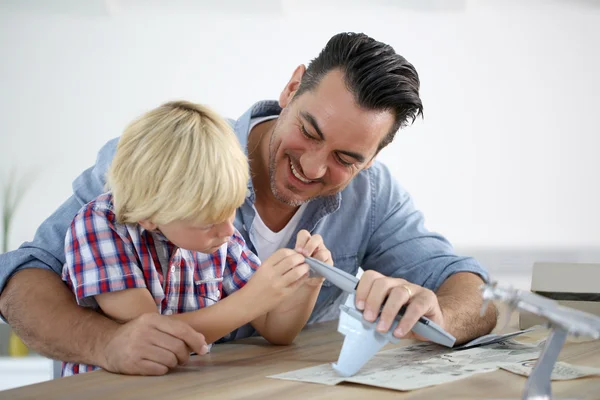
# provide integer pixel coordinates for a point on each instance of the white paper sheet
(421, 365)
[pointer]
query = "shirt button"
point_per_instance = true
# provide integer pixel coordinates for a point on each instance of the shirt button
(168, 312)
(173, 269)
(218, 293)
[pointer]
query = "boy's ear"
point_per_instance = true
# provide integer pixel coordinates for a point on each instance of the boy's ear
(148, 225)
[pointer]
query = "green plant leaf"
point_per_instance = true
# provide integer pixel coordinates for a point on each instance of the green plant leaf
(13, 191)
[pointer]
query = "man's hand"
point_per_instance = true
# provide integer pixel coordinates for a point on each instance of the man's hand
(375, 289)
(44, 313)
(151, 345)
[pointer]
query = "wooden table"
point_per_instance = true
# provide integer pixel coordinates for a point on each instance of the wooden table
(238, 370)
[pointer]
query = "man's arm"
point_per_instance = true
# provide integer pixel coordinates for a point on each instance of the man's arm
(407, 264)
(460, 299)
(43, 312)
(44, 318)
(33, 272)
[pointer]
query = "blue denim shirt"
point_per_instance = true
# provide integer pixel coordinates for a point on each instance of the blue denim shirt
(371, 224)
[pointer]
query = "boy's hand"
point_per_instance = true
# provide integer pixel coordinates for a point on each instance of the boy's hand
(278, 276)
(313, 246)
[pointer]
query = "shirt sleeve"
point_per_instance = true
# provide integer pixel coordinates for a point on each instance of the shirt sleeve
(100, 256)
(400, 245)
(241, 264)
(46, 251)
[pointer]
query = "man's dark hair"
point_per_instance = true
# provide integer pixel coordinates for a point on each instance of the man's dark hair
(379, 78)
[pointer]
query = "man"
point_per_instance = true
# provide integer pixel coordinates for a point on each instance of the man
(312, 161)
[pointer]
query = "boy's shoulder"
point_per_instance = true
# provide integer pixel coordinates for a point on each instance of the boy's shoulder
(237, 248)
(101, 205)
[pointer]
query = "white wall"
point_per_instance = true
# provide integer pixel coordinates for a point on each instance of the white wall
(506, 155)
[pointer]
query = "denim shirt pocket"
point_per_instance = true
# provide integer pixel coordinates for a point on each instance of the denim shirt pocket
(347, 263)
(208, 291)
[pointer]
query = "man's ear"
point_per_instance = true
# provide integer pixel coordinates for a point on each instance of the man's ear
(148, 225)
(292, 86)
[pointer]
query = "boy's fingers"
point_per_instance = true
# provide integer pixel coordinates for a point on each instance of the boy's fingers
(289, 263)
(295, 274)
(314, 244)
(302, 239)
(324, 255)
(279, 256)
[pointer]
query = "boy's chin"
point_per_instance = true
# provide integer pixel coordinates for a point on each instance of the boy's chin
(210, 250)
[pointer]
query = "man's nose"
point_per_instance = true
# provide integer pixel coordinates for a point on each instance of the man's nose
(314, 164)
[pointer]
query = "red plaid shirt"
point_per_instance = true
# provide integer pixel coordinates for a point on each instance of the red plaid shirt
(105, 256)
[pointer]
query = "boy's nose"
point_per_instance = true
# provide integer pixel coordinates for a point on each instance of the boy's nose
(226, 229)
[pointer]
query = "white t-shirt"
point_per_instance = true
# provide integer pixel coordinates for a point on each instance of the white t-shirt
(266, 242)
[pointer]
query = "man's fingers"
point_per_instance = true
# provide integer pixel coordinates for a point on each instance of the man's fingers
(419, 305)
(396, 299)
(160, 355)
(379, 291)
(150, 368)
(177, 347)
(180, 330)
(364, 287)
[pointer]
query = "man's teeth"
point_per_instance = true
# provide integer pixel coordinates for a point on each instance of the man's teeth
(297, 175)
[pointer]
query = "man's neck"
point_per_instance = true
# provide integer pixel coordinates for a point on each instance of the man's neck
(274, 214)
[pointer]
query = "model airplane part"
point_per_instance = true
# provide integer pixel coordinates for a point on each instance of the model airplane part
(345, 281)
(348, 283)
(490, 339)
(362, 341)
(561, 320)
(577, 323)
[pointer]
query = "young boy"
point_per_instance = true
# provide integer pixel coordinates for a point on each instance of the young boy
(162, 239)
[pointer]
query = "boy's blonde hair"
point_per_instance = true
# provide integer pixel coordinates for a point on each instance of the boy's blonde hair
(180, 161)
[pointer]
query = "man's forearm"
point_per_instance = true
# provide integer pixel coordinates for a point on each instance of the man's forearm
(460, 300)
(43, 312)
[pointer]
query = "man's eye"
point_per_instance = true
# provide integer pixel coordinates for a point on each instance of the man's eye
(306, 134)
(344, 162)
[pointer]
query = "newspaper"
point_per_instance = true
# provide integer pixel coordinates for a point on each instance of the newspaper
(422, 365)
(561, 372)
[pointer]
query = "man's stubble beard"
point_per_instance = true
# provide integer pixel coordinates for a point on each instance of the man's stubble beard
(272, 169)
